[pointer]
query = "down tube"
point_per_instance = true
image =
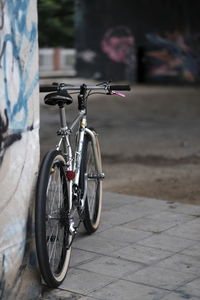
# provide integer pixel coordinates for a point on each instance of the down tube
(78, 155)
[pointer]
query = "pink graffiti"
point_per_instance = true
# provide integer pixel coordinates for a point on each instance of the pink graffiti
(117, 44)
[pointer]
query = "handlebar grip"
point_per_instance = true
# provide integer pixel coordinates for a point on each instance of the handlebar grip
(122, 87)
(48, 88)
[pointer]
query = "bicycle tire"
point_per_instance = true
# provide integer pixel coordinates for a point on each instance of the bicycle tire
(51, 224)
(93, 201)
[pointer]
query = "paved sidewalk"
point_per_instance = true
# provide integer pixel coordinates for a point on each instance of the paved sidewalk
(145, 249)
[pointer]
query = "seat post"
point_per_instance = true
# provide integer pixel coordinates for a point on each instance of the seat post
(63, 121)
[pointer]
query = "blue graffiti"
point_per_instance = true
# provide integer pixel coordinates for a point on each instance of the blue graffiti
(18, 11)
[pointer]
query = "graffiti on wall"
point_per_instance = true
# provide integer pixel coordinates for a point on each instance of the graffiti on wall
(16, 84)
(18, 134)
(118, 44)
(1, 14)
(111, 57)
(173, 56)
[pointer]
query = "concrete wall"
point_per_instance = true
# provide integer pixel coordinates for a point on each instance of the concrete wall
(19, 147)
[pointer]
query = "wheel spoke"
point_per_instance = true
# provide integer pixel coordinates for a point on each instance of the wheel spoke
(51, 229)
(54, 218)
(53, 239)
(53, 247)
(94, 186)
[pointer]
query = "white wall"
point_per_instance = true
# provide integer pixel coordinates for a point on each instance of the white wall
(19, 147)
(57, 61)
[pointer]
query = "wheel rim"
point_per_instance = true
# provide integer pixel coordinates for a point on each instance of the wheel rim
(57, 237)
(93, 186)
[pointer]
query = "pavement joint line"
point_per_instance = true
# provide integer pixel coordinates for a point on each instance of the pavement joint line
(175, 252)
(112, 280)
(159, 231)
(169, 268)
(96, 289)
(147, 285)
(188, 283)
(178, 236)
(143, 265)
(110, 256)
(160, 288)
(129, 243)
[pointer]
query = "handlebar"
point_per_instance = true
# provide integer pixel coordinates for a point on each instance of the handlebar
(48, 88)
(120, 87)
(60, 87)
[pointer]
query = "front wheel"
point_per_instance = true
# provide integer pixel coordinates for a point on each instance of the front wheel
(51, 220)
(93, 201)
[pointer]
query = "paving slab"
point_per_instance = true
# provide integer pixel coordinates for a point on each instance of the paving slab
(174, 217)
(167, 242)
(142, 254)
(123, 234)
(193, 251)
(144, 249)
(98, 244)
(192, 210)
(111, 266)
(117, 200)
(191, 288)
(151, 225)
(160, 277)
(79, 256)
(85, 282)
(179, 296)
(126, 290)
(188, 231)
(182, 263)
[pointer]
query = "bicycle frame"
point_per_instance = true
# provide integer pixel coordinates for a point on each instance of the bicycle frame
(73, 162)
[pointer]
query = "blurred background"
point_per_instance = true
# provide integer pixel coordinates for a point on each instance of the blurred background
(135, 41)
(150, 141)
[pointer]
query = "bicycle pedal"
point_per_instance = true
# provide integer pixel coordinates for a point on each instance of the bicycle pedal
(99, 176)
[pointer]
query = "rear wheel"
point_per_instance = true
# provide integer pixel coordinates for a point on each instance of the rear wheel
(93, 202)
(51, 220)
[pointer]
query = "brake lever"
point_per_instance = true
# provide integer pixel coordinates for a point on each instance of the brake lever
(117, 93)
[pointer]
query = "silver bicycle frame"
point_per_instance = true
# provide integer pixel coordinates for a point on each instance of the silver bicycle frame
(73, 162)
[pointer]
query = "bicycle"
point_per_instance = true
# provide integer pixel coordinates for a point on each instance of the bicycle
(69, 185)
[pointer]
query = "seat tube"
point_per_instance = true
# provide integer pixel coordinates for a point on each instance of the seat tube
(63, 121)
(65, 139)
